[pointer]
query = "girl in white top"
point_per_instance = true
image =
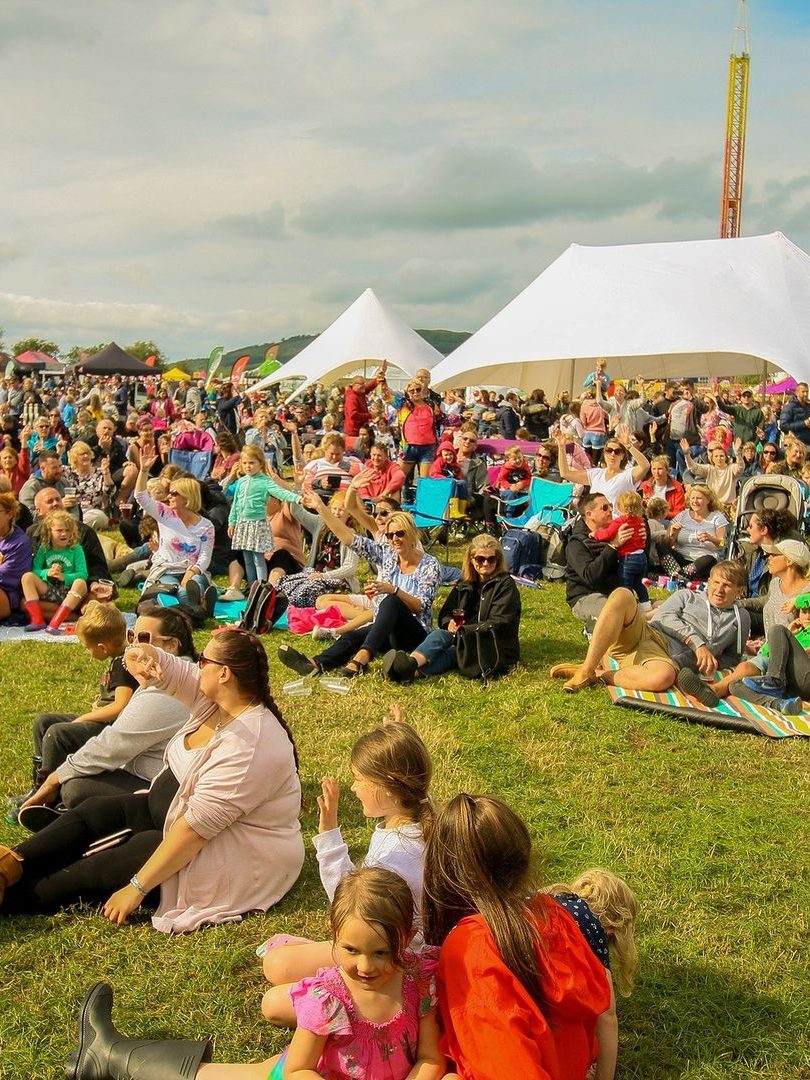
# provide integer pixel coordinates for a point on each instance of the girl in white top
(392, 772)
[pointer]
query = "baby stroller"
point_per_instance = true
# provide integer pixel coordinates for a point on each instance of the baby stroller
(771, 491)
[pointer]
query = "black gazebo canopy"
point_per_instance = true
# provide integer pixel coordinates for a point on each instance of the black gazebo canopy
(113, 360)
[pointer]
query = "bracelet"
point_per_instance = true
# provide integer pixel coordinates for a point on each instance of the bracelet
(136, 885)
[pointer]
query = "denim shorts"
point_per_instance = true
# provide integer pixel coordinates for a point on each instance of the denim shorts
(594, 440)
(419, 455)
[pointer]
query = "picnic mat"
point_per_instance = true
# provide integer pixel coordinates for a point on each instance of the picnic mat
(731, 713)
(18, 633)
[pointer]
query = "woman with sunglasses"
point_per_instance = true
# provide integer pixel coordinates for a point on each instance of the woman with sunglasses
(403, 595)
(417, 423)
(127, 754)
(358, 607)
(217, 834)
(185, 538)
(486, 594)
(616, 476)
(768, 457)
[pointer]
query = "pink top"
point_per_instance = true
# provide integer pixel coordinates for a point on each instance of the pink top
(359, 1048)
(241, 793)
(418, 428)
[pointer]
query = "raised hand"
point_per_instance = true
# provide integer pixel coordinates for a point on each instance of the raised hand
(328, 804)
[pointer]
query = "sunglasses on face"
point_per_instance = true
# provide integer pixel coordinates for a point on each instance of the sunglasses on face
(398, 533)
(613, 449)
(485, 559)
(142, 637)
(382, 514)
(204, 660)
(769, 453)
(175, 494)
(543, 457)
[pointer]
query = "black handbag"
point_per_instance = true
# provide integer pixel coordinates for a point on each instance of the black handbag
(478, 654)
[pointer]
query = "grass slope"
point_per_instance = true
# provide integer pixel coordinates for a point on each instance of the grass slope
(709, 828)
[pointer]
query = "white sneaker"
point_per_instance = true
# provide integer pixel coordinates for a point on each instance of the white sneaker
(233, 594)
(323, 633)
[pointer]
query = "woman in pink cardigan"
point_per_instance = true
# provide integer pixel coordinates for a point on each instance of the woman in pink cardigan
(217, 834)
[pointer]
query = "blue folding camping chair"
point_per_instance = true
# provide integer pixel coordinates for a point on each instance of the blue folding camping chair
(547, 499)
(430, 510)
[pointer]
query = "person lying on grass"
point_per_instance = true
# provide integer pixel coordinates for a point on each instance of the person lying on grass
(692, 634)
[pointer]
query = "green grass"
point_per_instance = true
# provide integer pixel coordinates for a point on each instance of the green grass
(710, 829)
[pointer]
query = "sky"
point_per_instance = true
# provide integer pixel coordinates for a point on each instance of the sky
(207, 172)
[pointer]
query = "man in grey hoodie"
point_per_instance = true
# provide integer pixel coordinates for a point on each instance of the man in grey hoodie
(690, 635)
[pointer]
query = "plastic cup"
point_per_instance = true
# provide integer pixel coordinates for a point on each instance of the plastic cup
(298, 688)
(459, 617)
(126, 511)
(336, 683)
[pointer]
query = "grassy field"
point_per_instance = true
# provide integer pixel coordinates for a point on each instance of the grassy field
(709, 828)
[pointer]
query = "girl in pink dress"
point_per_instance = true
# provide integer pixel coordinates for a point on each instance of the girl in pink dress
(370, 1017)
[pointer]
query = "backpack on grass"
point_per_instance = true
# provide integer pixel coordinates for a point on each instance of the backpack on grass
(521, 549)
(265, 606)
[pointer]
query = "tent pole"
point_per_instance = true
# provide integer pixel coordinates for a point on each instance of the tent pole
(571, 379)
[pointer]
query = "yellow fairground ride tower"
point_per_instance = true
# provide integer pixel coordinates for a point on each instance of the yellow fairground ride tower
(734, 158)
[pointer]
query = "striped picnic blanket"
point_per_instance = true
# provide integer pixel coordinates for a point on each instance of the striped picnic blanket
(732, 713)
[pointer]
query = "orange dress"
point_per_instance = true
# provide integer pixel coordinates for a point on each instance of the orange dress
(493, 1028)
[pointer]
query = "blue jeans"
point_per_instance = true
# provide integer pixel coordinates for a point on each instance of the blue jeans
(632, 568)
(439, 649)
(174, 579)
(255, 566)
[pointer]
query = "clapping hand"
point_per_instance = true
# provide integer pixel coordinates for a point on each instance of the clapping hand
(328, 804)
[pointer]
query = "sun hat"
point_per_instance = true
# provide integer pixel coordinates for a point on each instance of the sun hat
(795, 551)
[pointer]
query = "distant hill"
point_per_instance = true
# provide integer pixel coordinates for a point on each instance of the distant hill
(445, 341)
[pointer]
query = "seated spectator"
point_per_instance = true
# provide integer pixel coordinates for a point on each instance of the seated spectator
(380, 478)
(229, 797)
(720, 475)
(513, 481)
(689, 633)
(795, 454)
(698, 534)
(93, 484)
(39, 439)
(333, 564)
(750, 460)
(14, 467)
(51, 475)
(769, 458)
(333, 471)
(186, 538)
(404, 592)
(538, 416)
(126, 751)
(486, 594)
(592, 566)
(15, 555)
(657, 510)
(58, 575)
(106, 444)
(789, 566)
(227, 455)
(48, 499)
(660, 485)
(193, 436)
(543, 466)
(765, 528)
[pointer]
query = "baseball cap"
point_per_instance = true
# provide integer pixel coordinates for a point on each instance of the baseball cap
(795, 551)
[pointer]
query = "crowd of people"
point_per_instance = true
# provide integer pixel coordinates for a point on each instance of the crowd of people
(182, 778)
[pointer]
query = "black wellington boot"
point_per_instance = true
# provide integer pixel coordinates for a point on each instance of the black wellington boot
(104, 1054)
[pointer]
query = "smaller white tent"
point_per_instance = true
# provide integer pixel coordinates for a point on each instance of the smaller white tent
(670, 310)
(365, 334)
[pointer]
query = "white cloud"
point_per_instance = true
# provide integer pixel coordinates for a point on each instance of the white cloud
(201, 169)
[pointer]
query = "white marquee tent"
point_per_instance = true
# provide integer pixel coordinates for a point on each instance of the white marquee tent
(693, 308)
(365, 334)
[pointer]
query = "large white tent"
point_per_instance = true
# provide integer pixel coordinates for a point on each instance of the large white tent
(692, 308)
(365, 334)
